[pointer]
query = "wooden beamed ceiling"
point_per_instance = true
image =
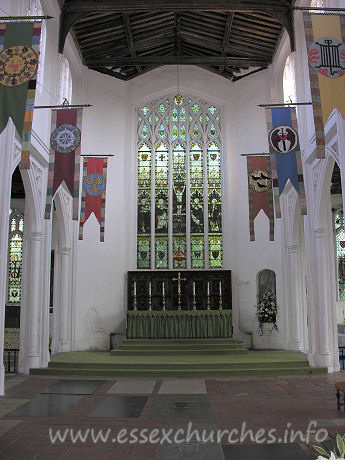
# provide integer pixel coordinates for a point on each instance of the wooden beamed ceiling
(126, 38)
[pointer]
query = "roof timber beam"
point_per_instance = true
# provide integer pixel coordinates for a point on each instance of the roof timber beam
(130, 38)
(226, 38)
(174, 5)
(75, 10)
(183, 60)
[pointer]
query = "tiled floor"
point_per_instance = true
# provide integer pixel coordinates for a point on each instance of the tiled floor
(193, 419)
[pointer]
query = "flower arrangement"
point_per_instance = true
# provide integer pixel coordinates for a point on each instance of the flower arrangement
(340, 440)
(267, 310)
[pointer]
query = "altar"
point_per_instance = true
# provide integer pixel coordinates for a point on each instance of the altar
(192, 304)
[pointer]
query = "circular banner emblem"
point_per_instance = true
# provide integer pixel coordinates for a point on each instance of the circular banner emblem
(283, 139)
(93, 184)
(327, 56)
(18, 64)
(65, 138)
(259, 180)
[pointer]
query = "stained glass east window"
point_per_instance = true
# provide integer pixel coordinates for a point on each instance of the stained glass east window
(179, 184)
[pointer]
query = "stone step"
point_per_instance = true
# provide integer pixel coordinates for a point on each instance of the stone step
(189, 363)
(200, 372)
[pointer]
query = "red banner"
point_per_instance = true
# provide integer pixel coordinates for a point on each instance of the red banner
(64, 158)
(93, 194)
(260, 191)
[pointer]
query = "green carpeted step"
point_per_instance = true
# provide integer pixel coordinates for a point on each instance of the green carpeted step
(202, 372)
(215, 341)
(176, 365)
(179, 364)
(178, 352)
(178, 348)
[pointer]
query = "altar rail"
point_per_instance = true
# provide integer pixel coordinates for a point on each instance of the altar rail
(212, 280)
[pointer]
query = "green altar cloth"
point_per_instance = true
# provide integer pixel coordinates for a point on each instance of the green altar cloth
(183, 324)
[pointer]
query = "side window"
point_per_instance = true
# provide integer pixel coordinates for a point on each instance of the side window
(15, 256)
(65, 81)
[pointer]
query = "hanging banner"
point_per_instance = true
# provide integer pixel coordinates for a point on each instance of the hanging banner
(19, 49)
(260, 191)
(64, 158)
(325, 38)
(93, 194)
(285, 153)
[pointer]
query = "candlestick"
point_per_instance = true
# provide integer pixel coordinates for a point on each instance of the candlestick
(220, 288)
(135, 288)
(194, 288)
(163, 292)
(150, 297)
(194, 303)
(208, 296)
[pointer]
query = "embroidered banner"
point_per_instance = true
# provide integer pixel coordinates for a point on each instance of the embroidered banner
(93, 194)
(19, 49)
(285, 153)
(64, 158)
(260, 191)
(325, 37)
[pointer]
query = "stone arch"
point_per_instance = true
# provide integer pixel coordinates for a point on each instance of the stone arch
(322, 197)
(62, 287)
(295, 317)
(322, 295)
(33, 316)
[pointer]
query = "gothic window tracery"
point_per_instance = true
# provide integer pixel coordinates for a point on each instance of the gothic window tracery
(179, 184)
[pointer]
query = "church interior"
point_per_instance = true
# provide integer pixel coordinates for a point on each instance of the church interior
(172, 226)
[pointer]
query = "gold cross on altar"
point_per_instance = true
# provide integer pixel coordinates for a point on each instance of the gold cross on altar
(179, 279)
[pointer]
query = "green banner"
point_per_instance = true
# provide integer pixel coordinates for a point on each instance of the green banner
(13, 93)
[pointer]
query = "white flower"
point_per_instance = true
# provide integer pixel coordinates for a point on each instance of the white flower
(332, 457)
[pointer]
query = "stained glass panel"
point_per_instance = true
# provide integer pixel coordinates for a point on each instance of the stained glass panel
(215, 249)
(212, 109)
(179, 205)
(144, 206)
(161, 205)
(214, 205)
(161, 254)
(143, 251)
(179, 251)
(178, 99)
(145, 131)
(197, 206)
(197, 251)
